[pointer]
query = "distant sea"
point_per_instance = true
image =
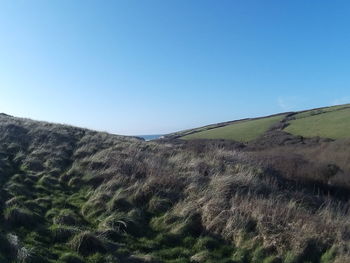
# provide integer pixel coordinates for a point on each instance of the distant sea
(150, 137)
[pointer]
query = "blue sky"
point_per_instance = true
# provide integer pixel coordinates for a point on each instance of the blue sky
(156, 66)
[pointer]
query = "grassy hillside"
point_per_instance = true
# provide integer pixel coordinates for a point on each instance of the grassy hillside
(314, 112)
(71, 195)
(332, 124)
(329, 122)
(243, 131)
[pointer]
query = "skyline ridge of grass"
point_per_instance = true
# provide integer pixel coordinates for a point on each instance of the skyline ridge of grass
(232, 130)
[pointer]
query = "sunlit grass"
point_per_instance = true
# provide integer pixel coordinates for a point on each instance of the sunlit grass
(241, 131)
(334, 125)
(310, 113)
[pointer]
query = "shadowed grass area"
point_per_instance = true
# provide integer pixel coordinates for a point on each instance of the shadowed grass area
(334, 125)
(244, 131)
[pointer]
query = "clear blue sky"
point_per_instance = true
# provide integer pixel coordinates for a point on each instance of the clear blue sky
(157, 66)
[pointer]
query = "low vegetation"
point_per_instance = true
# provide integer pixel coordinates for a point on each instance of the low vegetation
(313, 112)
(333, 124)
(329, 122)
(75, 195)
(243, 131)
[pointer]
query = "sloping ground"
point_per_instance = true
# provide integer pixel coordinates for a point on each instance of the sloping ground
(200, 129)
(328, 122)
(332, 124)
(242, 131)
(74, 195)
(313, 112)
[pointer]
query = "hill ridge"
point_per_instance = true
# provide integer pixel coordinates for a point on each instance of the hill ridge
(209, 131)
(69, 194)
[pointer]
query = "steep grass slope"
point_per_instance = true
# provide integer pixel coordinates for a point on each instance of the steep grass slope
(71, 195)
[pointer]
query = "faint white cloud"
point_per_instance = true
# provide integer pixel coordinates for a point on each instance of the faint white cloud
(281, 102)
(343, 100)
(287, 103)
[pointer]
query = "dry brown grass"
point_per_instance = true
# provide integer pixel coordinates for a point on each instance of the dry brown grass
(290, 198)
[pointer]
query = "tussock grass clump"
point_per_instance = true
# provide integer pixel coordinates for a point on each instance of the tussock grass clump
(200, 257)
(64, 177)
(188, 227)
(62, 233)
(119, 202)
(111, 234)
(50, 214)
(60, 201)
(159, 205)
(44, 202)
(183, 226)
(92, 209)
(70, 258)
(206, 243)
(16, 200)
(74, 182)
(96, 204)
(17, 189)
(163, 222)
(87, 243)
(17, 216)
(118, 222)
(48, 181)
(18, 178)
(261, 254)
(32, 205)
(66, 217)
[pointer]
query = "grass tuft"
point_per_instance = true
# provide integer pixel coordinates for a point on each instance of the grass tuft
(87, 243)
(18, 217)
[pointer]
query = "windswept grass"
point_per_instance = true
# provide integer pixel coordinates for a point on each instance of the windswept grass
(71, 195)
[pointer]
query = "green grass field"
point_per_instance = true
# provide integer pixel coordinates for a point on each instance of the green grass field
(320, 111)
(328, 122)
(334, 125)
(241, 131)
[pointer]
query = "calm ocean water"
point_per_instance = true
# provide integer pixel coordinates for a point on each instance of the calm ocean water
(150, 137)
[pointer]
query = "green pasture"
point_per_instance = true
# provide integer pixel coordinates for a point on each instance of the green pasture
(243, 131)
(334, 124)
